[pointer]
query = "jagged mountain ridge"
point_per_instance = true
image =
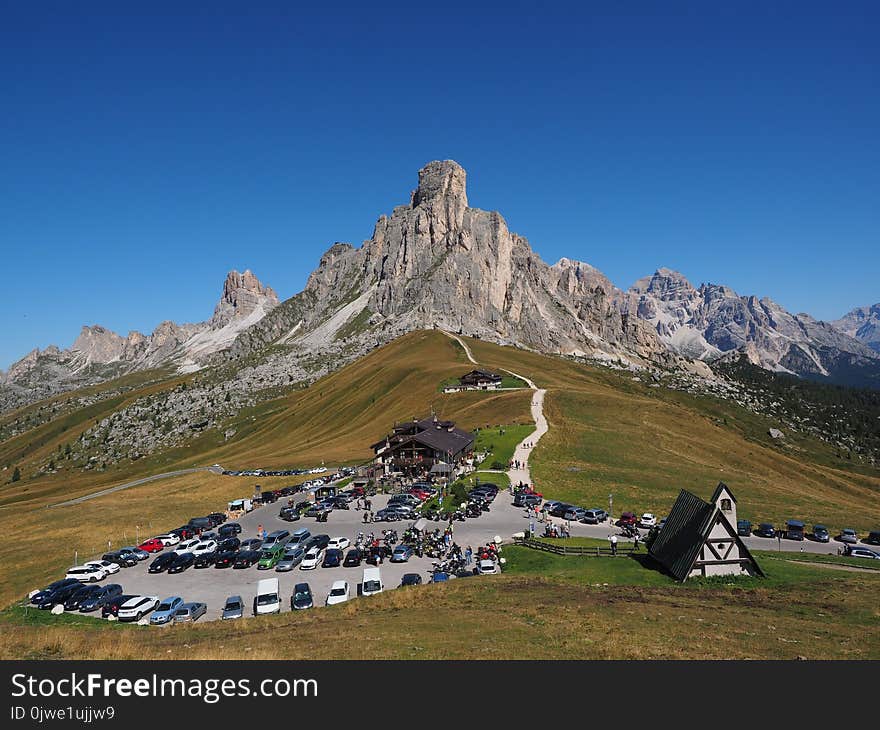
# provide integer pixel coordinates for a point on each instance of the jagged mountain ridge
(439, 262)
(98, 353)
(862, 323)
(713, 320)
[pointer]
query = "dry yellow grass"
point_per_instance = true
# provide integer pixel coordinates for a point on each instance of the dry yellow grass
(531, 618)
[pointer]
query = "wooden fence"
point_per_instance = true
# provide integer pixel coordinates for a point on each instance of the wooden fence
(561, 548)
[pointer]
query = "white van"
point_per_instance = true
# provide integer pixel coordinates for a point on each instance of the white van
(268, 599)
(372, 582)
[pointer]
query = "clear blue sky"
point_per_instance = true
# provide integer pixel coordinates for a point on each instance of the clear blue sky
(145, 152)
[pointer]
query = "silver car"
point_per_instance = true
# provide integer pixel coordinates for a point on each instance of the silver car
(189, 612)
(234, 608)
(164, 614)
(293, 555)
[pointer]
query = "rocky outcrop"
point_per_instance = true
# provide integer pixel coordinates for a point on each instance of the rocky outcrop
(99, 354)
(713, 320)
(439, 262)
(862, 323)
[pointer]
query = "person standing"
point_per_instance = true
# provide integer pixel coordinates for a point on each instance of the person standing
(636, 542)
(613, 541)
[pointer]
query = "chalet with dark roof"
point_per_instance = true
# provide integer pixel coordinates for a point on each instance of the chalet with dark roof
(414, 447)
(699, 539)
(476, 380)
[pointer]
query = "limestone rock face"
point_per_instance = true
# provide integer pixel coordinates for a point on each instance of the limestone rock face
(242, 295)
(863, 323)
(440, 262)
(714, 320)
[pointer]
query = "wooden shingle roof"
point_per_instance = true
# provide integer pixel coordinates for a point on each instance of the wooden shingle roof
(677, 545)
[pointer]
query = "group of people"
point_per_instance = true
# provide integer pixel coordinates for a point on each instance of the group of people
(554, 530)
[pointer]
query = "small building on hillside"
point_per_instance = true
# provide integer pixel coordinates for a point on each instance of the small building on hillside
(699, 539)
(476, 380)
(415, 447)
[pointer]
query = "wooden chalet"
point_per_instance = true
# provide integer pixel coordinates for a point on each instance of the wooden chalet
(699, 538)
(476, 380)
(414, 447)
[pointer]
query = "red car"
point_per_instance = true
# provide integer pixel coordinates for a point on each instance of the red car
(152, 545)
(627, 518)
(420, 493)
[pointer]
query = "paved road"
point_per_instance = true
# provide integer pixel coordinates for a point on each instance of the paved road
(136, 482)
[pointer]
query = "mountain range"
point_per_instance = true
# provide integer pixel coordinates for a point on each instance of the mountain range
(437, 262)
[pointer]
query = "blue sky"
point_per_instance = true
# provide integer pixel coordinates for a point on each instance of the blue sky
(145, 152)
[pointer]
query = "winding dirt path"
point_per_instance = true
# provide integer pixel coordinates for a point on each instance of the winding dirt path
(524, 448)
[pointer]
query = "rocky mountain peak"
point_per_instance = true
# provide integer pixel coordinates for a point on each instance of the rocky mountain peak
(242, 295)
(98, 344)
(441, 180)
(665, 284)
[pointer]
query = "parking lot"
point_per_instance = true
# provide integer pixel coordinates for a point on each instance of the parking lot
(212, 586)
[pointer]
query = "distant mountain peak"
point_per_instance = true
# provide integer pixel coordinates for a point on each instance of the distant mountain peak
(443, 180)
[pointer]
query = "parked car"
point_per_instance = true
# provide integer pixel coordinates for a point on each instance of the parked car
(182, 562)
(743, 527)
(873, 538)
(164, 613)
(111, 607)
(765, 529)
(168, 540)
(848, 536)
(353, 558)
(87, 573)
(401, 554)
(292, 556)
(648, 520)
(387, 515)
(311, 559)
(105, 595)
(795, 530)
(319, 541)
(205, 560)
(162, 562)
(228, 543)
(339, 543)
(225, 558)
(301, 597)
(439, 577)
(488, 567)
(526, 500)
(189, 612)
(229, 529)
(278, 537)
(860, 552)
(627, 518)
(136, 608)
(821, 534)
(110, 566)
(205, 546)
(153, 545)
(246, 558)
(411, 579)
(253, 543)
(338, 593)
(137, 552)
(574, 514)
(75, 599)
(332, 558)
(123, 560)
(233, 608)
(595, 516)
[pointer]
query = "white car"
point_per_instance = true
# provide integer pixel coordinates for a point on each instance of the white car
(648, 520)
(187, 546)
(339, 543)
(205, 546)
(87, 573)
(134, 609)
(488, 567)
(111, 568)
(312, 559)
(338, 592)
(168, 540)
